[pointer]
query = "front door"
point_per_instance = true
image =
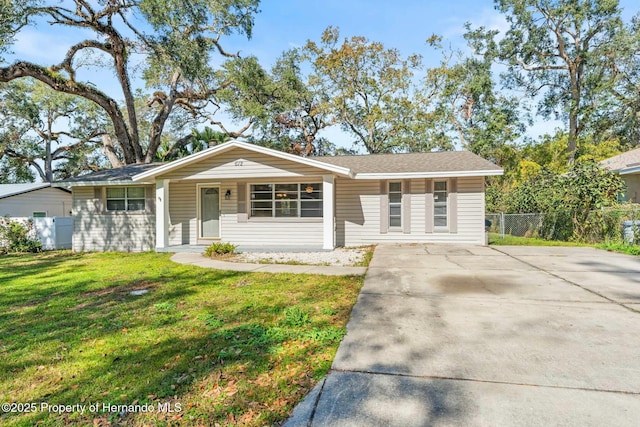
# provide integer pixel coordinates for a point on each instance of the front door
(210, 212)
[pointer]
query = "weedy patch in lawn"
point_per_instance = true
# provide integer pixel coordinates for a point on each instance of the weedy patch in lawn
(225, 347)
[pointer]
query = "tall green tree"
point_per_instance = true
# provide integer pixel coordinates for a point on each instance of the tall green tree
(468, 104)
(176, 38)
(370, 90)
(558, 50)
(285, 108)
(56, 134)
(621, 120)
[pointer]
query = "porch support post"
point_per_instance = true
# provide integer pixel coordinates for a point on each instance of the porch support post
(328, 212)
(162, 214)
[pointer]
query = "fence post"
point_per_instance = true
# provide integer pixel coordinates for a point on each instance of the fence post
(502, 225)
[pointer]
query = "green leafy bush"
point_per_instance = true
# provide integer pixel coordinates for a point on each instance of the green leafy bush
(18, 237)
(220, 248)
(567, 201)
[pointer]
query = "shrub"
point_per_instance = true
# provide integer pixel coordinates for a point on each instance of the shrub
(18, 237)
(220, 248)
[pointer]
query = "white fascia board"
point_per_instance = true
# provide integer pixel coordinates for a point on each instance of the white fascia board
(239, 144)
(406, 175)
(104, 183)
(629, 171)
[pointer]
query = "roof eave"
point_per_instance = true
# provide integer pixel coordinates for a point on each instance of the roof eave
(628, 171)
(445, 174)
(103, 183)
(239, 144)
(29, 190)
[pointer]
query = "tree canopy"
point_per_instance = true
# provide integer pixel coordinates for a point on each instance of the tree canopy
(559, 50)
(166, 43)
(56, 134)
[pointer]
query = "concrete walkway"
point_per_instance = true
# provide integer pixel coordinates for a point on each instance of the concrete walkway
(479, 336)
(200, 261)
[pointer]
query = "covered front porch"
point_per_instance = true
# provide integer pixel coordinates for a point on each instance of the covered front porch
(192, 214)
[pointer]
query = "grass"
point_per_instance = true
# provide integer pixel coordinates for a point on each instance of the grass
(619, 246)
(508, 240)
(612, 246)
(223, 347)
(368, 256)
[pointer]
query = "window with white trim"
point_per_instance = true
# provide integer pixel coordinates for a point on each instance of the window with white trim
(440, 204)
(300, 200)
(395, 204)
(125, 199)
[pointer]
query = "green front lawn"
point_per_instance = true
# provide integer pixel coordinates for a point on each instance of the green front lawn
(222, 347)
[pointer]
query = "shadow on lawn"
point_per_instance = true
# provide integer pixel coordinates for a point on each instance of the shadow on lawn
(209, 362)
(95, 342)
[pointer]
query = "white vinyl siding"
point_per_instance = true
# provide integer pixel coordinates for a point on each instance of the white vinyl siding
(95, 229)
(243, 164)
(52, 201)
(358, 213)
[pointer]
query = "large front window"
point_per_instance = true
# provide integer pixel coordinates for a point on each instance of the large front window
(286, 200)
(125, 199)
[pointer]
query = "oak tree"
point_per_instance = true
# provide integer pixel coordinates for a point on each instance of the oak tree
(168, 44)
(557, 49)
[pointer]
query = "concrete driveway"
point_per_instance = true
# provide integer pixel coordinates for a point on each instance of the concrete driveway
(453, 335)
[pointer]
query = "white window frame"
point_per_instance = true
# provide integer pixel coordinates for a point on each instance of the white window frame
(446, 205)
(395, 204)
(299, 191)
(126, 199)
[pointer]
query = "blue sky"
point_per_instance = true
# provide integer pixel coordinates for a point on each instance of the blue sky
(282, 24)
(404, 24)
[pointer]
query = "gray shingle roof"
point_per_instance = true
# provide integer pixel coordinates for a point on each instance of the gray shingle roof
(8, 190)
(440, 161)
(123, 173)
(432, 162)
(622, 161)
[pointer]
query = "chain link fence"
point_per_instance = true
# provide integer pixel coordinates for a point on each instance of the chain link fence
(596, 227)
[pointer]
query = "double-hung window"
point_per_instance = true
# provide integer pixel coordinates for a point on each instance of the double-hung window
(395, 204)
(440, 204)
(300, 200)
(125, 199)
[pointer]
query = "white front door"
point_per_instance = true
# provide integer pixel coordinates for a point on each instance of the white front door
(210, 212)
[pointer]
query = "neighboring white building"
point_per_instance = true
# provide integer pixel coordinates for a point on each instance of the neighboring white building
(34, 200)
(258, 197)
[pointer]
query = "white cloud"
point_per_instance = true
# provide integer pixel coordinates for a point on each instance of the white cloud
(40, 47)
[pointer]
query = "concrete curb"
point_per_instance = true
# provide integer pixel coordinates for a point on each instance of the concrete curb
(326, 270)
